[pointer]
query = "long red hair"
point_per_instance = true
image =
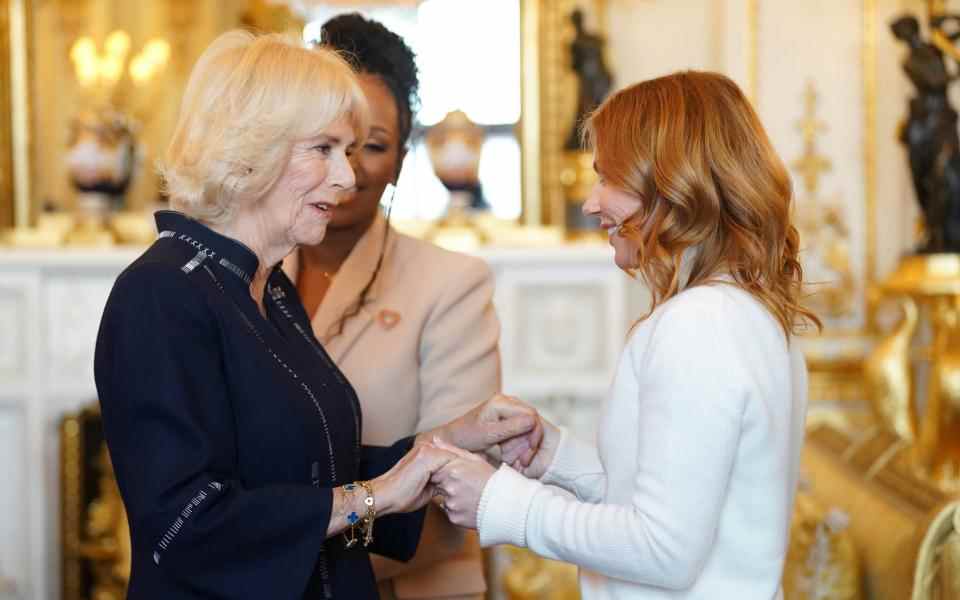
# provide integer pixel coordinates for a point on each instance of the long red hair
(691, 146)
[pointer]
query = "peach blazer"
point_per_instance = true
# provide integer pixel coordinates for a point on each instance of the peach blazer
(421, 351)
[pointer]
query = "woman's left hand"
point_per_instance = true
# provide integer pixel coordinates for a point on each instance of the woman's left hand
(498, 420)
(459, 485)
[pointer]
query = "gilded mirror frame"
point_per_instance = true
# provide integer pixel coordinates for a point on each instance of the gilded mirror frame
(12, 46)
(15, 126)
(6, 158)
(548, 98)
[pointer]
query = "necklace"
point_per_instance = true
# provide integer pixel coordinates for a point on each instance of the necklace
(328, 275)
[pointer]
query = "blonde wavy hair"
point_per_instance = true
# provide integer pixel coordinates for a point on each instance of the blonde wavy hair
(716, 198)
(248, 100)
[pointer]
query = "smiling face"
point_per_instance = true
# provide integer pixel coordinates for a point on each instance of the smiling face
(376, 161)
(303, 201)
(613, 207)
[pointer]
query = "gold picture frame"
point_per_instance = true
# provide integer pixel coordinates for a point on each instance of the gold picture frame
(549, 92)
(35, 42)
(94, 530)
(14, 165)
(6, 140)
(548, 100)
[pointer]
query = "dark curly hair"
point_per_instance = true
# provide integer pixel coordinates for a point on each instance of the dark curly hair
(372, 48)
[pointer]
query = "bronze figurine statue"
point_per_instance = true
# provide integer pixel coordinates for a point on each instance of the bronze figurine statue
(593, 78)
(930, 133)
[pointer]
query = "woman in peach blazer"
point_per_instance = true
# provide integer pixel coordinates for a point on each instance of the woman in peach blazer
(410, 324)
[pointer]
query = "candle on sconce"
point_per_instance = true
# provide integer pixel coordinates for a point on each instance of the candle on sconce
(92, 67)
(83, 54)
(118, 44)
(151, 59)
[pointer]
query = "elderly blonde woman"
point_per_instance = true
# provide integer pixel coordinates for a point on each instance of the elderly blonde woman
(689, 489)
(235, 439)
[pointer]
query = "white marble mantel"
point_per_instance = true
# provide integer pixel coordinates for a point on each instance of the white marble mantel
(564, 310)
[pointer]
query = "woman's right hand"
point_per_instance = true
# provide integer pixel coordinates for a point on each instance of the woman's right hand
(532, 462)
(406, 487)
(489, 425)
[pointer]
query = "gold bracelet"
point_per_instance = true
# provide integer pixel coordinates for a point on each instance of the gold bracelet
(371, 504)
(355, 521)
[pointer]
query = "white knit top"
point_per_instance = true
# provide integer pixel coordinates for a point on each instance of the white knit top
(689, 490)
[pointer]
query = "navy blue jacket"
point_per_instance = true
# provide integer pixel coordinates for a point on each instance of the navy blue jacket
(228, 431)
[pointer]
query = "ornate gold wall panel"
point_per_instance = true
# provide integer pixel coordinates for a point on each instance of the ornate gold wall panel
(14, 110)
(822, 222)
(759, 15)
(21, 75)
(6, 124)
(71, 494)
(847, 208)
(530, 110)
(96, 552)
(557, 103)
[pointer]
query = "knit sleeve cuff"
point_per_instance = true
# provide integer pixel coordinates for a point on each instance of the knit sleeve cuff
(572, 460)
(504, 505)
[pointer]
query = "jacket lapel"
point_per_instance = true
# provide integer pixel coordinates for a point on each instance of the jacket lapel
(345, 290)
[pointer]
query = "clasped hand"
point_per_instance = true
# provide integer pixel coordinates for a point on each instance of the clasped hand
(459, 483)
(503, 427)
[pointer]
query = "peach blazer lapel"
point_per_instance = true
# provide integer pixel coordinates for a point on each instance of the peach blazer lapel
(345, 289)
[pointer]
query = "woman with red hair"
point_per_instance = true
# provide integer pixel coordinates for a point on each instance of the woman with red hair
(689, 489)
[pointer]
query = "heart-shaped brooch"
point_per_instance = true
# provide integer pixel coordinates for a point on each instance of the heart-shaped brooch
(388, 318)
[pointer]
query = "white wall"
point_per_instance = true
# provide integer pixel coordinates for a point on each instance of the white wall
(649, 38)
(773, 48)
